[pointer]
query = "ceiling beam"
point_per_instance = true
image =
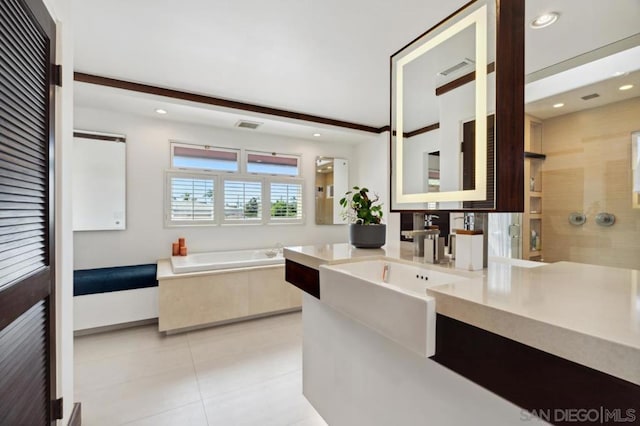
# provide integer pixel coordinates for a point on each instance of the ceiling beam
(226, 103)
(461, 81)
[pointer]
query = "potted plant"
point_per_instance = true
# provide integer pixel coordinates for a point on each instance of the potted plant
(364, 217)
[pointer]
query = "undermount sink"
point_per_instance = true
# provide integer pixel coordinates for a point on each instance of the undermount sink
(388, 297)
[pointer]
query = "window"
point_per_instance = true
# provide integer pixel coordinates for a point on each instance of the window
(215, 191)
(191, 199)
(286, 201)
(273, 164)
(185, 156)
(242, 200)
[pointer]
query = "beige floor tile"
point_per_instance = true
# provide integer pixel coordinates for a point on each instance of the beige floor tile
(139, 398)
(233, 372)
(292, 320)
(118, 342)
(247, 340)
(276, 402)
(249, 372)
(102, 372)
(189, 415)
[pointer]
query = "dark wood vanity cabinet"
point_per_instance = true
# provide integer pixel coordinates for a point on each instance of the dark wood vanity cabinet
(534, 380)
(305, 278)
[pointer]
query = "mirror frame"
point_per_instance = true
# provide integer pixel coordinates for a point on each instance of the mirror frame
(509, 116)
(479, 18)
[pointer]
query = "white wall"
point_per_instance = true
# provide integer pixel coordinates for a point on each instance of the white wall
(414, 150)
(373, 172)
(146, 238)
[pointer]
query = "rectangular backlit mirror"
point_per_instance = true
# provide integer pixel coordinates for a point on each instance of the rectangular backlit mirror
(440, 82)
(444, 87)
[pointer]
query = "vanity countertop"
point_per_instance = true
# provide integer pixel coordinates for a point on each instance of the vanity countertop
(331, 254)
(588, 314)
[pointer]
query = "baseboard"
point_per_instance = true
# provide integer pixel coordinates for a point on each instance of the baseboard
(231, 321)
(76, 415)
(114, 327)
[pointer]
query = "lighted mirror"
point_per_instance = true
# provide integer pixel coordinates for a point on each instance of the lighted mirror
(99, 181)
(332, 181)
(441, 83)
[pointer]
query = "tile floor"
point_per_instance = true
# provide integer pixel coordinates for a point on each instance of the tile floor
(247, 373)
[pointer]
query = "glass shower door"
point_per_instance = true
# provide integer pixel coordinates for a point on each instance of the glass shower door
(505, 236)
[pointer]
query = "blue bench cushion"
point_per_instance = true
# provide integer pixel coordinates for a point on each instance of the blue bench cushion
(103, 280)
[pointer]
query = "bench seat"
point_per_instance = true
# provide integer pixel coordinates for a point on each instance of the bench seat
(104, 280)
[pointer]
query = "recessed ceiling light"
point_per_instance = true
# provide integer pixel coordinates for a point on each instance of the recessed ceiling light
(317, 135)
(161, 111)
(329, 167)
(544, 20)
(619, 73)
(626, 87)
(558, 105)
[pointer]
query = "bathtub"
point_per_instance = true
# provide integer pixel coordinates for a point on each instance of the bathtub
(223, 260)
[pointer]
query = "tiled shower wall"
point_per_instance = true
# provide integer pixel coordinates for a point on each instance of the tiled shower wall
(588, 169)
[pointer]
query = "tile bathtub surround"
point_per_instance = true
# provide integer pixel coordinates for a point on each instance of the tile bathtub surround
(246, 373)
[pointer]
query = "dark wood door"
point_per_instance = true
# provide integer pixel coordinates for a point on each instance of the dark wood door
(27, 302)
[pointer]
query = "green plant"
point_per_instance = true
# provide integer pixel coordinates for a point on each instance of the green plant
(360, 208)
(251, 208)
(283, 209)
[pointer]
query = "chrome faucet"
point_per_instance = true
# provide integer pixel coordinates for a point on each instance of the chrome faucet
(434, 247)
(469, 221)
(428, 220)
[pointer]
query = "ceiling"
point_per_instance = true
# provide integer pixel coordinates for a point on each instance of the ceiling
(591, 81)
(327, 58)
(126, 102)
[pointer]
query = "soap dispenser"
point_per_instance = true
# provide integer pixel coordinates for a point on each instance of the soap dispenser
(469, 253)
(470, 250)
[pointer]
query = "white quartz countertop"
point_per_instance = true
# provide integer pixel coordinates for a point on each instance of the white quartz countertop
(314, 256)
(588, 314)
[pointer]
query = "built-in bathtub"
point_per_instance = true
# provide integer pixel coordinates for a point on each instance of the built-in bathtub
(204, 289)
(225, 260)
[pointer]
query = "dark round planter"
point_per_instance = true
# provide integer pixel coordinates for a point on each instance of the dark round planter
(367, 236)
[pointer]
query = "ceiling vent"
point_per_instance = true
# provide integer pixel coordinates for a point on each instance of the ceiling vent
(591, 96)
(457, 67)
(244, 124)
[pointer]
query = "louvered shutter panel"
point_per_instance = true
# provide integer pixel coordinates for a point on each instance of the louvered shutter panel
(27, 333)
(242, 200)
(192, 199)
(23, 144)
(23, 369)
(286, 201)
